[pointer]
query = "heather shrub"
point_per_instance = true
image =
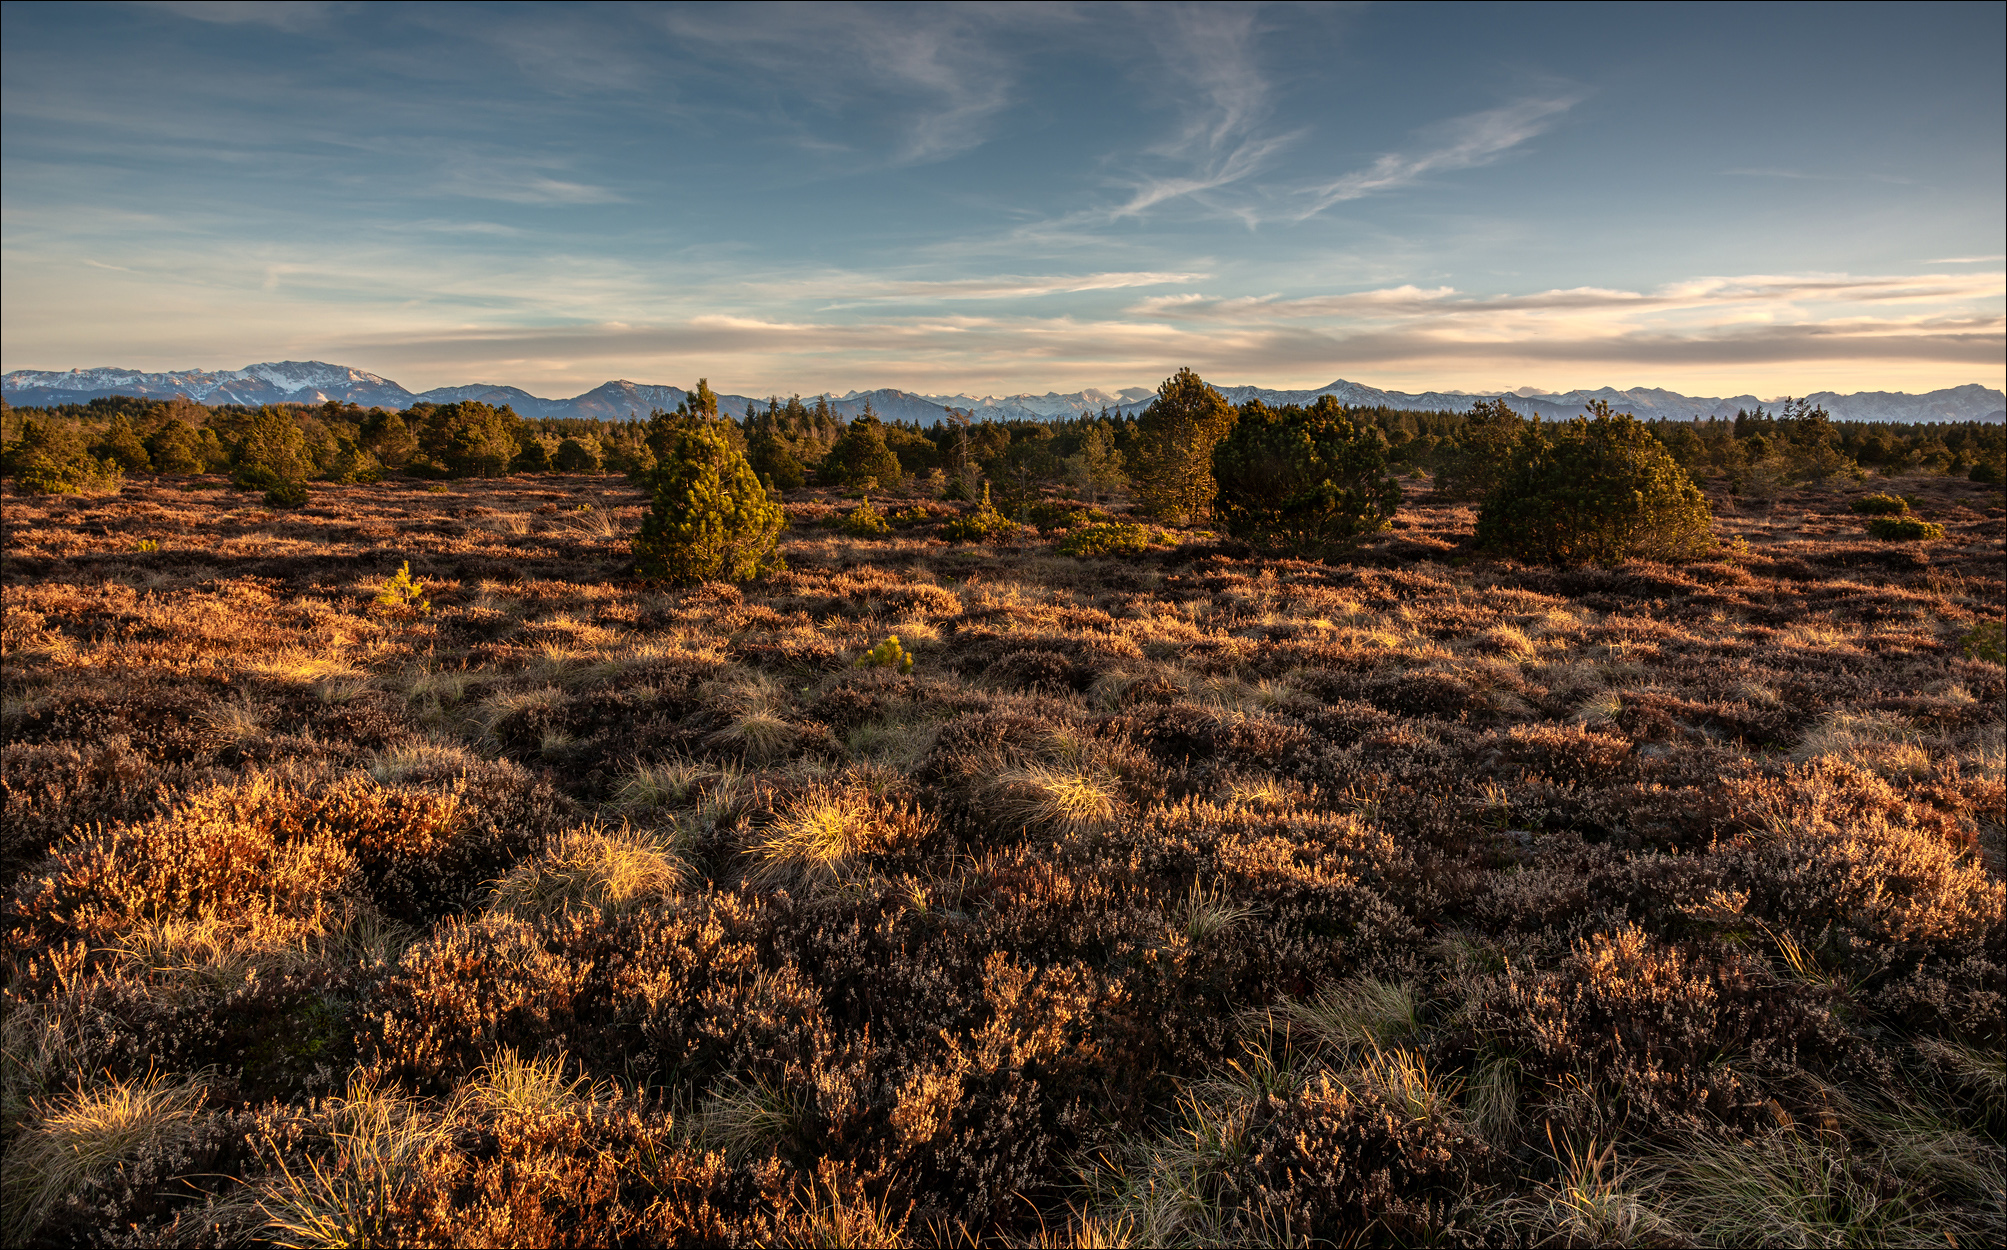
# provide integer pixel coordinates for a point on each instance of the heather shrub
(1904, 529)
(1304, 479)
(1881, 504)
(1337, 1160)
(1601, 490)
(709, 518)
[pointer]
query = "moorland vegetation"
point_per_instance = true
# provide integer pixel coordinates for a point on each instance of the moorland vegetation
(1223, 826)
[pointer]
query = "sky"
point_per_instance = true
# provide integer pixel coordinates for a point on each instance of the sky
(1024, 197)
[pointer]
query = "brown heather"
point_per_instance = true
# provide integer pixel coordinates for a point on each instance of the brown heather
(1178, 898)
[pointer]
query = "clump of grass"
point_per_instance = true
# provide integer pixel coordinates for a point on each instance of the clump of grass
(1601, 708)
(379, 1144)
(1593, 1201)
(1207, 912)
(745, 1117)
(1066, 800)
(592, 869)
(814, 840)
(1794, 1188)
(74, 1141)
(428, 758)
(512, 1085)
(653, 786)
(1359, 1015)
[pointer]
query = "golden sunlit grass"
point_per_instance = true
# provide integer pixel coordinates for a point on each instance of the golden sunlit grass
(379, 1142)
(814, 839)
(73, 1141)
(1059, 799)
(608, 871)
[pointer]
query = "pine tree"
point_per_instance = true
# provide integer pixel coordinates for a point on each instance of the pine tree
(1176, 437)
(710, 518)
(121, 446)
(1308, 479)
(1599, 490)
(861, 457)
(174, 448)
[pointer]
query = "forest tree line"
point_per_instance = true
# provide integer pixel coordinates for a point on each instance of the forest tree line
(795, 442)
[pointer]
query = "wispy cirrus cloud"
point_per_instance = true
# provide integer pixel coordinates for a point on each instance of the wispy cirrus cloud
(936, 77)
(1461, 143)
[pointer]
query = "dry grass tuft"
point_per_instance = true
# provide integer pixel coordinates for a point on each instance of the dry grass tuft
(1360, 1015)
(814, 840)
(379, 1143)
(75, 1141)
(1057, 799)
(592, 869)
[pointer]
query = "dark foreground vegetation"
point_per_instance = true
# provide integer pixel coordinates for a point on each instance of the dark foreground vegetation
(418, 863)
(1182, 896)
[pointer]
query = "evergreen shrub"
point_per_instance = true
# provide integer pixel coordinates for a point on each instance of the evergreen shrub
(985, 524)
(1306, 479)
(1902, 529)
(286, 495)
(864, 521)
(710, 518)
(1115, 539)
(1601, 490)
(1881, 504)
(51, 458)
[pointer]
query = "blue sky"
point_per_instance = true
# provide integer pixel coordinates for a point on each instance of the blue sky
(1719, 199)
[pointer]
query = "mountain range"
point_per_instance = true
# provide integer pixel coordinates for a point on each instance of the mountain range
(315, 382)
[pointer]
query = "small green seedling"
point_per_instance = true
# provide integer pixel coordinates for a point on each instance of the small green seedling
(887, 654)
(403, 591)
(1987, 641)
(146, 544)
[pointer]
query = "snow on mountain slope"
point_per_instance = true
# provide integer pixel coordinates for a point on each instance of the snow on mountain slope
(315, 381)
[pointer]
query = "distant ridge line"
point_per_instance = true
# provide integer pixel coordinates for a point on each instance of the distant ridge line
(315, 382)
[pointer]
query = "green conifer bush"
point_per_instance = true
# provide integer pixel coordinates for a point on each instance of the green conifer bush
(1471, 465)
(1881, 503)
(861, 457)
(864, 521)
(175, 448)
(890, 654)
(51, 458)
(1305, 479)
(982, 525)
(1904, 529)
(1108, 539)
(1174, 458)
(286, 495)
(710, 518)
(1595, 490)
